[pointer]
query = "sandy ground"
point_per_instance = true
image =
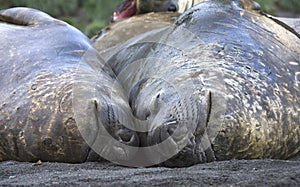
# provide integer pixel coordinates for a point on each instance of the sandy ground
(225, 173)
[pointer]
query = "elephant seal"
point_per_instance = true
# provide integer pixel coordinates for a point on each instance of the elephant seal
(207, 88)
(42, 61)
(290, 23)
(129, 8)
(146, 20)
(227, 69)
(121, 31)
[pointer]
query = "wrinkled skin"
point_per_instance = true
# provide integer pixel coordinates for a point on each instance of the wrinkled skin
(180, 6)
(40, 60)
(231, 74)
(113, 35)
(257, 60)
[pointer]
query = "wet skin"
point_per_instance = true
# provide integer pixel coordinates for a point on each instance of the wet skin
(234, 79)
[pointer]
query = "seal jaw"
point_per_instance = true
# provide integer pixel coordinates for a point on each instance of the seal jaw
(127, 9)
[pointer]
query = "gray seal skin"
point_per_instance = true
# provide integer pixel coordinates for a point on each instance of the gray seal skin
(119, 32)
(241, 72)
(294, 23)
(40, 60)
(225, 76)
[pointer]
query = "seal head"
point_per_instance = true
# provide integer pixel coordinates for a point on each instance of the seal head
(129, 8)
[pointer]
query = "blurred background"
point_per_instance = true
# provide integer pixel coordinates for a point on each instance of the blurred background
(91, 15)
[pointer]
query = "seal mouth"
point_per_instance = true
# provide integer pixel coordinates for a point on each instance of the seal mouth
(127, 9)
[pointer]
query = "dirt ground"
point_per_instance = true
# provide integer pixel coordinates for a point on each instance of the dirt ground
(225, 173)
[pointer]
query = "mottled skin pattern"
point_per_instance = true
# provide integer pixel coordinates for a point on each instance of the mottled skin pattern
(118, 32)
(35, 114)
(259, 63)
(147, 20)
(232, 73)
(146, 6)
(262, 81)
(292, 23)
(40, 57)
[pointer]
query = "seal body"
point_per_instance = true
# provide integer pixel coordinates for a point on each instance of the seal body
(119, 32)
(228, 69)
(129, 8)
(40, 60)
(221, 83)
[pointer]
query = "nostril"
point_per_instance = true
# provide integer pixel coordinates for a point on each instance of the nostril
(172, 8)
(127, 137)
(147, 114)
(163, 132)
(169, 129)
(158, 96)
(124, 136)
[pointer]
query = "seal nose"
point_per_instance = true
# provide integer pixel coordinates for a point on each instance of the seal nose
(172, 7)
(127, 137)
(161, 133)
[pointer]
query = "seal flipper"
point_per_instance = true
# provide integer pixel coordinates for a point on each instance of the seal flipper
(25, 17)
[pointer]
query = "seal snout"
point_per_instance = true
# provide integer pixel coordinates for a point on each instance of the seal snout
(127, 137)
(172, 7)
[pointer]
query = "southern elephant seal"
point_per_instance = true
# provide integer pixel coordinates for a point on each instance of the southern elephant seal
(153, 17)
(129, 8)
(225, 67)
(121, 31)
(42, 61)
(294, 23)
(206, 88)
